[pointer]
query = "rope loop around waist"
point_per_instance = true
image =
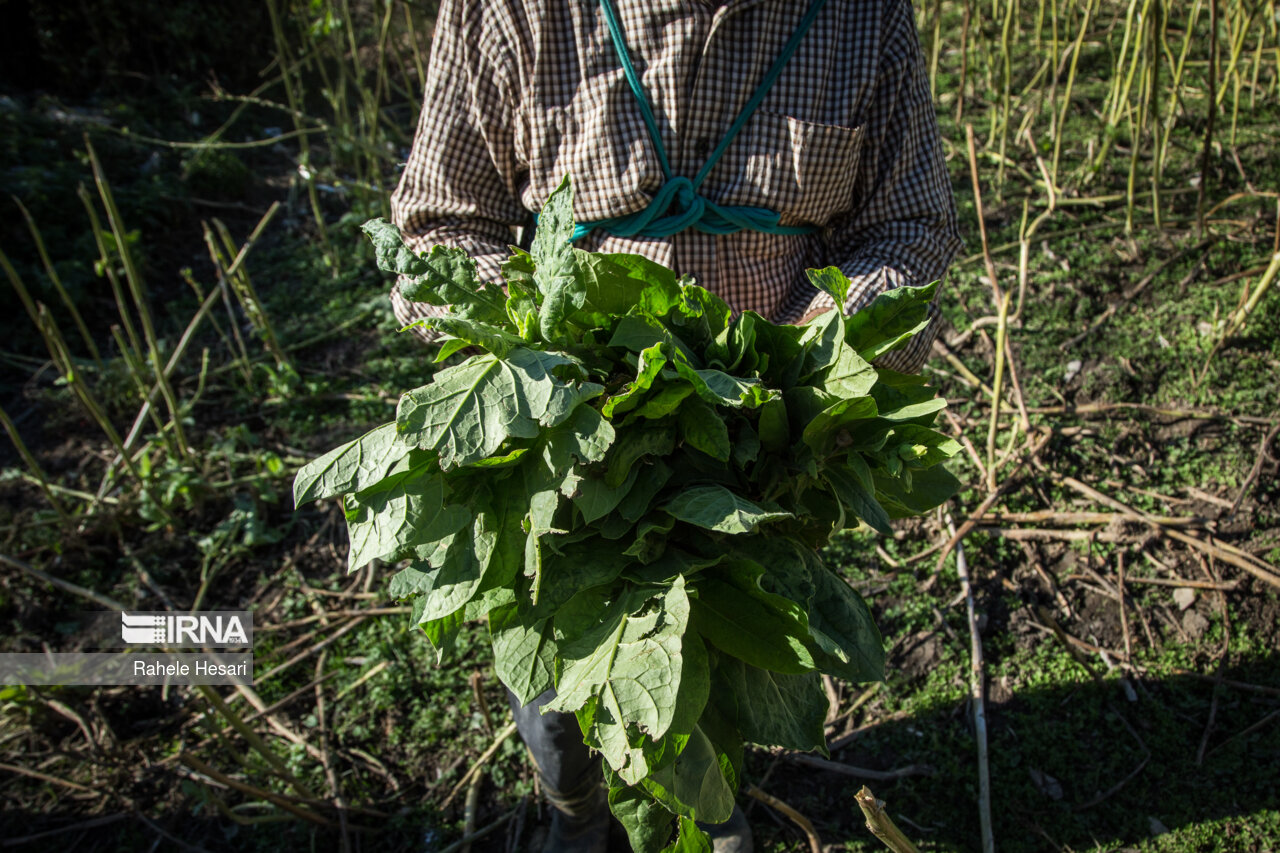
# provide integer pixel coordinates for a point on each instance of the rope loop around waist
(678, 206)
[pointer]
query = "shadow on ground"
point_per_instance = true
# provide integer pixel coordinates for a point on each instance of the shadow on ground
(1089, 763)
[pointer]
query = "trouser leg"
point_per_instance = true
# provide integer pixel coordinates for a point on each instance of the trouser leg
(567, 768)
(570, 775)
(571, 779)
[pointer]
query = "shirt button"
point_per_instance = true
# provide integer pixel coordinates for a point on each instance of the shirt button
(702, 147)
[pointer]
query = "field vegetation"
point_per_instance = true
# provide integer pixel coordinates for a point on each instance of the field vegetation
(1082, 646)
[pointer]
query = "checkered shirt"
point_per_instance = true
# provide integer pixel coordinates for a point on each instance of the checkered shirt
(522, 92)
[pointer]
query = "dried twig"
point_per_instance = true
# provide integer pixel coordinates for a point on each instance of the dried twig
(316, 617)
(244, 788)
(1213, 715)
(1239, 685)
(1043, 534)
(68, 586)
(1183, 582)
(1057, 517)
(1105, 408)
(879, 822)
(74, 827)
(863, 698)
(1124, 613)
(1253, 728)
(254, 740)
(996, 385)
(977, 678)
(303, 655)
(1114, 789)
(833, 699)
(469, 810)
(806, 826)
(362, 679)
(326, 760)
(859, 772)
(479, 763)
(45, 777)
(1256, 470)
(483, 704)
(990, 501)
(466, 840)
(1220, 550)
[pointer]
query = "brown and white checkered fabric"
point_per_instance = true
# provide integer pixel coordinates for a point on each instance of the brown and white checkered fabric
(522, 92)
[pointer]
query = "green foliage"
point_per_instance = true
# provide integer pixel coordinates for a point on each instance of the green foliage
(632, 485)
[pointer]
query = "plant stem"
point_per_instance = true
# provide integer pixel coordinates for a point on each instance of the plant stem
(880, 824)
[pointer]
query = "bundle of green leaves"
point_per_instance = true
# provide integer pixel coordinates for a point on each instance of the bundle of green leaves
(633, 486)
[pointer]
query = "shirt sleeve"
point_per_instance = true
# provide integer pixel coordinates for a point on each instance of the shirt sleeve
(461, 184)
(902, 229)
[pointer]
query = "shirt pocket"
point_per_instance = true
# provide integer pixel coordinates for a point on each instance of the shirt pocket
(804, 170)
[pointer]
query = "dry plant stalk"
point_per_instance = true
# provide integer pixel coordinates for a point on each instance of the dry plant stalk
(879, 822)
(806, 825)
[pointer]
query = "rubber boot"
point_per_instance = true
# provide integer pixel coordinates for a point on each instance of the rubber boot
(732, 836)
(569, 775)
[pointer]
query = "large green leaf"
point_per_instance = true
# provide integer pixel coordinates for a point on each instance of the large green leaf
(555, 265)
(615, 284)
(595, 498)
(850, 375)
(402, 513)
(920, 446)
(854, 488)
(442, 633)
(640, 498)
(630, 662)
(474, 333)
(444, 276)
(691, 839)
(390, 251)
(352, 467)
(647, 822)
(665, 401)
(925, 490)
(822, 343)
(720, 389)
(638, 332)
(890, 320)
(700, 317)
(702, 428)
(650, 364)
(717, 508)
(471, 409)
(843, 628)
(738, 617)
(831, 281)
(524, 652)
(649, 439)
(499, 538)
(456, 579)
(694, 785)
(592, 562)
(522, 294)
(831, 428)
(772, 708)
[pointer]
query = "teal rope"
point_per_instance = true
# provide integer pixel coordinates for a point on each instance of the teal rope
(678, 206)
(763, 89)
(624, 56)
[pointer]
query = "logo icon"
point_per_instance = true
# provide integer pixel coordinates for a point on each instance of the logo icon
(161, 629)
(142, 630)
